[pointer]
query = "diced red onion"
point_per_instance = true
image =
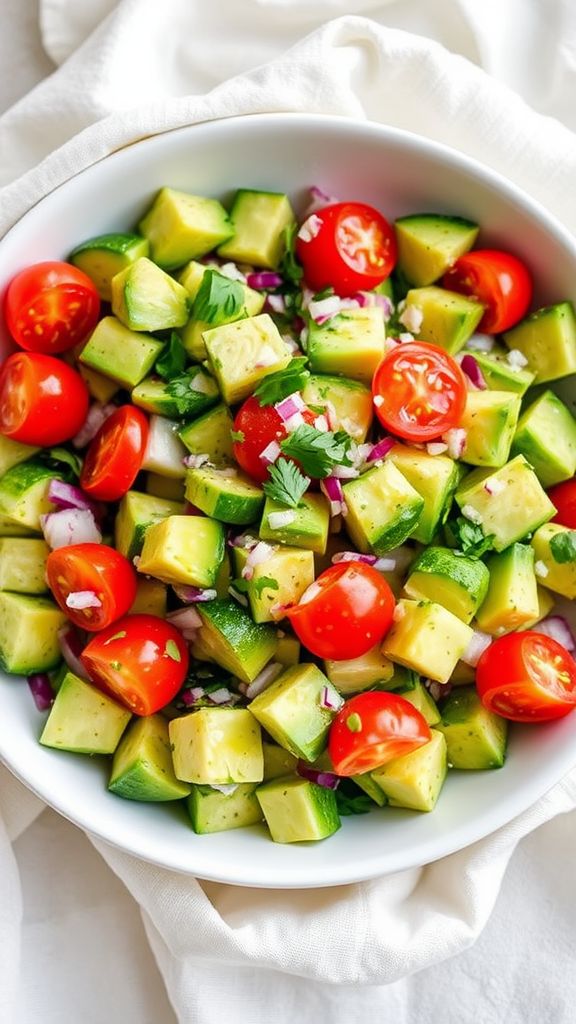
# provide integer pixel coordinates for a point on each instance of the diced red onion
(193, 595)
(192, 695)
(323, 309)
(293, 422)
(328, 780)
(185, 619)
(479, 642)
(456, 441)
(310, 228)
(242, 540)
(270, 453)
(381, 449)
(65, 495)
(277, 520)
(480, 343)
(192, 510)
(411, 317)
(437, 690)
(80, 599)
(318, 200)
(330, 699)
(41, 690)
(97, 415)
(267, 357)
(71, 647)
(289, 406)
(220, 696)
(345, 472)
(70, 526)
(263, 679)
(353, 556)
(473, 372)
(557, 627)
(495, 485)
(332, 489)
(256, 555)
(276, 303)
(264, 279)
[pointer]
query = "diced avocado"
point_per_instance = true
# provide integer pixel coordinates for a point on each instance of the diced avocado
(105, 256)
(142, 768)
(448, 318)
(259, 220)
(217, 746)
(557, 576)
(307, 528)
(277, 761)
(500, 374)
(512, 598)
(366, 783)
(29, 633)
(506, 503)
(171, 488)
(146, 298)
(277, 581)
(476, 738)
(546, 436)
(117, 352)
(164, 452)
(210, 434)
(489, 419)
(401, 681)
(23, 493)
(13, 452)
(233, 640)
(349, 400)
(548, 340)
(415, 780)
(457, 583)
(243, 352)
(151, 599)
(427, 638)
(101, 388)
(23, 565)
(292, 710)
(183, 549)
(181, 227)
(156, 395)
(429, 243)
(350, 344)
(288, 650)
(419, 697)
(83, 719)
(383, 509)
(545, 605)
(192, 333)
(213, 811)
(435, 478)
(355, 674)
(136, 512)
(297, 810)
(228, 494)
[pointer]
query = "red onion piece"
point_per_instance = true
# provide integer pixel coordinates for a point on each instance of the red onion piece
(189, 697)
(275, 304)
(193, 595)
(330, 699)
(437, 690)
(318, 200)
(332, 488)
(557, 627)
(41, 690)
(97, 415)
(289, 406)
(329, 780)
(221, 696)
(353, 556)
(185, 619)
(65, 495)
(456, 441)
(270, 453)
(310, 228)
(345, 472)
(264, 279)
(242, 540)
(71, 647)
(195, 461)
(70, 526)
(264, 679)
(381, 449)
(256, 555)
(473, 372)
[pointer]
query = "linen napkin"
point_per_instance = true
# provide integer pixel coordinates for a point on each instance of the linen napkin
(138, 68)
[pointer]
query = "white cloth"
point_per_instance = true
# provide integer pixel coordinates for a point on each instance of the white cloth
(137, 68)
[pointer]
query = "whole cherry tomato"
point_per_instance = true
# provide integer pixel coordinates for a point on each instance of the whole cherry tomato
(563, 497)
(527, 677)
(115, 455)
(93, 583)
(50, 307)
(350, 247)
(42, 400)
(373, 728)
(499, 280)
(419, 391)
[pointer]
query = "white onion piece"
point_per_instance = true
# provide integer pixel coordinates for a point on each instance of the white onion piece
(185, 619)
(556, 627)
(277, 520)
(231, 271)
(412, 317)
(277, 303)
(70, 526)
(202, 384)
(479, 642)
(165, 452)
(258, 554)
(516, 359)
(263, 679)
(270, 453)
(195, 461)
(480, 343)
(227, 789)
(220, 696)
(80, 599)
(436, 447)
(97, 415)
(310, 228)
(455, 439)
(320, 309)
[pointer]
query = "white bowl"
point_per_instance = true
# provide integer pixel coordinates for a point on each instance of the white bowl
(399, 173)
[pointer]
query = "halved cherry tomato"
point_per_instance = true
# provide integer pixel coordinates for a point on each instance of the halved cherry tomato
(373, 728)
(140, 660)
(527, 677)
(563, 497)
(499, 280)
(42, 400)
(259, 425)
(419, 391)
(349, 246)
(344, 613)
(115, 455)
(50, 307)
(81, 573)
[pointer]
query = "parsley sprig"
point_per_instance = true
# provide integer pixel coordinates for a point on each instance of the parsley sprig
(185, 397)
(290, 268)
(286, 484)
(172, 361)
(470, 538)
(219, 299)
(276, 386)
(563, 547)
(318, 451)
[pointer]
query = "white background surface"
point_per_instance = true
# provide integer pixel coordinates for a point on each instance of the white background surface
(85, 955)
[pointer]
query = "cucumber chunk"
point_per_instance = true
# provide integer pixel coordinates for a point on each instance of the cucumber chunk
(182, 227)
(229, 498)
(145, 298)
(142, 768)
(115, 351)
(29, 633)
(183, 549)
(429, 243)
(297, 810)
(103, 257)
(546, 436)
(213, 811)
(83, 719)
(259, 220)
(476, 738)
(415, 780)
(292, 711)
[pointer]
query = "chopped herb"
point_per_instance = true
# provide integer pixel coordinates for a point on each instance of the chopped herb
(276, 386)
(318, 451)
(117, 636)
(264, 583)
(241, 585)
(350, 801)
(290, 268)
(563, 547)
(173, 359)
(354, 722)
(219, 300)
(470, 537)
(171, 650)
(286, 484)
(185, 397)
(67, 463)
(116, 665)
(238, 435)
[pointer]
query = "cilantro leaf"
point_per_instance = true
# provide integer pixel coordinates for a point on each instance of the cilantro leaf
(350, 801)
(290, 268)
(173, 359)
(67, 463)
(171, 651)
(185, 397)
(238, 435)
(286, 484)
(470, 537)
(276, 386)
(219, 299)
(318, 451)
(264, 583)
(240, 584)
(563, 547)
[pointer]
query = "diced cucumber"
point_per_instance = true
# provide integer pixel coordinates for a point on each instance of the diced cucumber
(350, 344)
(13, 452)
(228, 494)
(183, 549)
(117, 352)
(213, 811)
(277, 761)
(307, 527)
(151, 598)
(231, 639)
(427, 638)
(559, 577)
(243, 352)
(24, 494)
(293, 712)
(500, 374)
(277, 581)
(142, 768)
(156, 395)
(448, 318)
(512, 598)
(259, 220)
(489, 419)
(146, 298)
(297, 810)
(475, 737)
(429, 243)
(435, 478)
(182, 227)
(415, 780)
(458, 583)
(546, 436)
(419, 697)
(355, 674)
(383, 509)
(29, 633)
(83, 719)
(23, 565)
(136, 512)
(350, 400)
(210, 434)
(547, 338)
(103, 257)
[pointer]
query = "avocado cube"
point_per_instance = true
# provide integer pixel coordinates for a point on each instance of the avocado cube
(210, 434)
(259, 220)
(83, 719)
(349, 401)
(429, 243)
(512, 598)
(170, 488)
(8, 528)
(217, 746)
(227, 494)
(383, 509)
(297, 810)
(151, 598)
(489, 419)
(13, 452)
(23, 565)
(182, 227)
(366, 783)
(29, 633)
(307, 527)
(155, 395)
(120, 353)
(277, 581)
(356, 674)
(475, 737)
(231, 638)
(277, 761)
(24, 494)
(448, 318)
(292, 710)
(243, 352)
(548, 340)
(555, 575)
(100, 387)
(415, 780)
(546, 603)
(212, 811)
(288, 650)
(546, 436)
(146, 298)
(419, 697)
(142, 768)
(427, 638)
(183, 549)
(192, 333)
(500, 374)
(506, 503)
(103, 257)
(456, 582)
(350, 344)
(136, 513)
(435, 478)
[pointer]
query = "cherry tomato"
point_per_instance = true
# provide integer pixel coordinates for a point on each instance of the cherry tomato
(527, 677)
(50, 307)
(115, 455)
(140, 660)
(419, 391)
(260, 425)
(373, 728)
(563, 497)
(345, 612)
(91, 571)
(349, 246)
(42, 400)
(499, 280)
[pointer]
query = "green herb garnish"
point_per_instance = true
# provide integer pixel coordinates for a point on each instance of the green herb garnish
(290, 268)
(282, 383)
(67, 463)
(173, 359)
(350, 801)
(470, 537)
(264, 583)
(219, 299)
(286, 484)
(563, 547)
(318, 451)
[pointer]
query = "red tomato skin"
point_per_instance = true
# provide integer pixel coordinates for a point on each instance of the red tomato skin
(350, 613)
(510, 681)
(133, 660)
(95, 567)
(563, 496)
(390, 385)
(50, 307)
(260, 425)
(497, 279)
(115, 454)
(389, 727)
(326, 258)
(42, 400)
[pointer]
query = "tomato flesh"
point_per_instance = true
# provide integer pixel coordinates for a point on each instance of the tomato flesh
(115, 455)
(93, 569)
(563, 497)
(373, 728)
(350, 247)
(527, 677)
(50, 307)
(499, 280)
(419, 391)
(42, 400)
